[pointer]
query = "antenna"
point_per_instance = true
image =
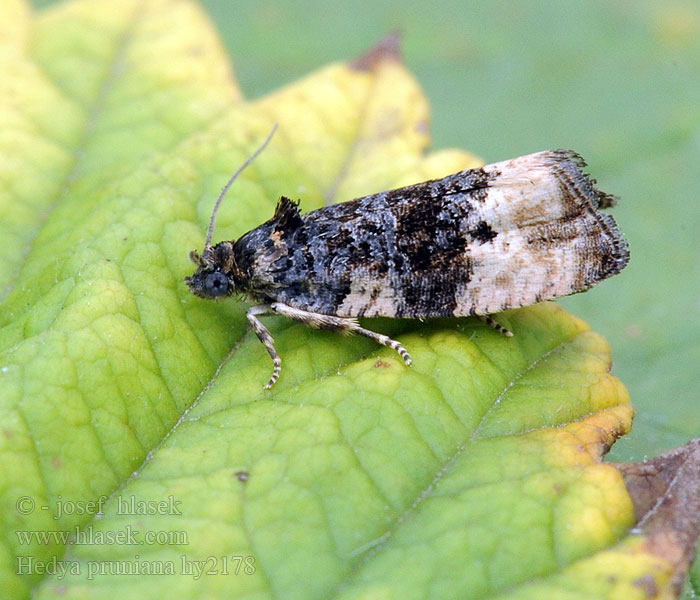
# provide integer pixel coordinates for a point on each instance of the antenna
(251, 158)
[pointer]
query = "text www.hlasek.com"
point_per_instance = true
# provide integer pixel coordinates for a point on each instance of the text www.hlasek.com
(128, 536)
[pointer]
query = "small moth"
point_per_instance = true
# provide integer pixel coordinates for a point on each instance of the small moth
(475, 243)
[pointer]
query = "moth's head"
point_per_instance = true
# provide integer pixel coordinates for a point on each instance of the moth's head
(216, 265)
(214, 275)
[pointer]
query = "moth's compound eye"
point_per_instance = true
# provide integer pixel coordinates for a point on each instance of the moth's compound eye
(216, 284)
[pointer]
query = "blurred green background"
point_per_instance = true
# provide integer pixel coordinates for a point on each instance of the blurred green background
(615, 80)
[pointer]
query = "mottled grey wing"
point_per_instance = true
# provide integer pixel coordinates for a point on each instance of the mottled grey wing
(480, 241)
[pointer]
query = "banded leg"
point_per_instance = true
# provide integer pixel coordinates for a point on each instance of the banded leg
(264, 336)
(497, 326)
(345, 325)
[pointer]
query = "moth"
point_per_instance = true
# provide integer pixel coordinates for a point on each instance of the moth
(474, 243)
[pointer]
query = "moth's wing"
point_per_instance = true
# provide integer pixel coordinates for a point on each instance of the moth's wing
(477, 242)
(548, 237)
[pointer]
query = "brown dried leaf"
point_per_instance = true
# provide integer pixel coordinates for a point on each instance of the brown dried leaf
(665, 492)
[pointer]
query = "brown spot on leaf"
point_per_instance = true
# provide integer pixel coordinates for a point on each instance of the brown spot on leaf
(648, 584)
(607, 437)
(388, 48)
(56, 462)
(665, 492)
(381, 364)
(423, 128)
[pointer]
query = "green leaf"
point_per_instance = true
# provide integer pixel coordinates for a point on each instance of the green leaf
(135, 442)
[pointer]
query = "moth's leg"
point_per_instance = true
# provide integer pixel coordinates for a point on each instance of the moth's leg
(497, 326)
(264, 336)
(339, 324)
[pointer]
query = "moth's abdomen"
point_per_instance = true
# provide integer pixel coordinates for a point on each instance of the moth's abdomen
(503, 236)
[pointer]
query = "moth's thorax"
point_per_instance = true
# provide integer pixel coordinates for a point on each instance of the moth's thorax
(260, 255)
